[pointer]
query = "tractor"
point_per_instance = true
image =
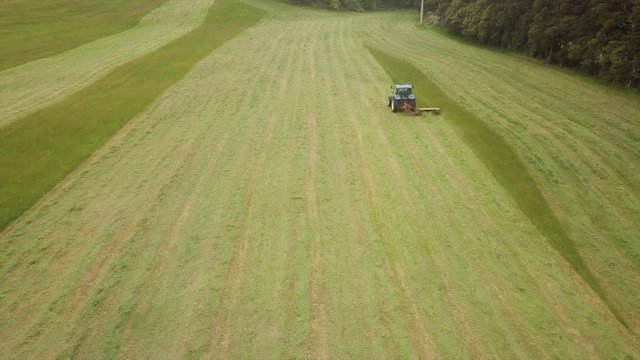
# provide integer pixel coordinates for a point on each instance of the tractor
(403, 99)
(401, 96)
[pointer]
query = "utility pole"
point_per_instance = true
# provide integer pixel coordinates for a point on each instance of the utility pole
(421, 11)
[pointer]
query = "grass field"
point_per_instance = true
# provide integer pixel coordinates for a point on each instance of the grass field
(33, 85)
(37, 151)
(269, 205)
(34, 29)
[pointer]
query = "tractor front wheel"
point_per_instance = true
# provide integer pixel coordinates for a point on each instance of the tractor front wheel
(393, 106)
(389, 101)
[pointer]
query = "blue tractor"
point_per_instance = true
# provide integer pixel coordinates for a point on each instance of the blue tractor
(402, 98)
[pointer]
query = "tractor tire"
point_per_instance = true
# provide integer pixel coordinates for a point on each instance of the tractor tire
(389, 101)
(393, 106)
(412, 103)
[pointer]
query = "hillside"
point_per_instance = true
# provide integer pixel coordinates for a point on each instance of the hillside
(261, 201)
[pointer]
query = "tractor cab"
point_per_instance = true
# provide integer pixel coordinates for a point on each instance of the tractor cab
(402, 97)
(403, 91)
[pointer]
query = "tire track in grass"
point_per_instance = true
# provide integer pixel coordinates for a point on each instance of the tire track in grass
(352, 172)
(330, 184)
(423, 342)
(285, 244)
(318, 338)
(278, 237)
(345, 237)
(39, 150)
(319, 319)
(505, 166)
(274, 303)
(222, 320)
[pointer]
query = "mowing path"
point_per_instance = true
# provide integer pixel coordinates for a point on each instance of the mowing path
(37, 151)
(33, 85)
(269, 205)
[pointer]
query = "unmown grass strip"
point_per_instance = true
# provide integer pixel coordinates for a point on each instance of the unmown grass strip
(498, 156)
(42, 148)
(31, 30)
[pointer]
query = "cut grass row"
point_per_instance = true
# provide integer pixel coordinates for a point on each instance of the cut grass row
(503, 163)
(39, 150)
(30, 30)
(32, 86)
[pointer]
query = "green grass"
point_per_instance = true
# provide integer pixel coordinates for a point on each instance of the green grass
(632, 93)
(34, 29)
(501, 160)
(39, 150)
(306, 220)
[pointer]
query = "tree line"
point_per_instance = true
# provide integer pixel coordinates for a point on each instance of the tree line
(599, 37)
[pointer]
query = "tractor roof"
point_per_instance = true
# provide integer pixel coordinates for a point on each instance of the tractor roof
(403, 86)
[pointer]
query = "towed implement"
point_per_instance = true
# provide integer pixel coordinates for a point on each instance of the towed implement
(403, 99)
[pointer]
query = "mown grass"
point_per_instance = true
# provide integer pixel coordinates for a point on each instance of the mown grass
(613, 89)
(504, 164)
(524, 56)
(34, 29)
(37, 151)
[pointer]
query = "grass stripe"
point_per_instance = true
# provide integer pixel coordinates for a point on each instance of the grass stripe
(39, 150)
(505, 166)
(31, 30)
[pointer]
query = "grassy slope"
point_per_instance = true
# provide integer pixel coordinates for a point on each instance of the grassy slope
(42, 148)
(578, 138)
(308, 221)
(34, 85)
(32, 29)
(502, 161)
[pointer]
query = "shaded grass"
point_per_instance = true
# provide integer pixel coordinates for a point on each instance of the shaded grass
(34, 29)
(505, 166)
(40, 149)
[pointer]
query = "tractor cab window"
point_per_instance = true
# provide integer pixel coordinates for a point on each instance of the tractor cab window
(404, 91)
